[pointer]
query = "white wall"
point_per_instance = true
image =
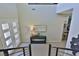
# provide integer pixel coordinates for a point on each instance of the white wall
(61, 7)
(44, 14)
(8, 10)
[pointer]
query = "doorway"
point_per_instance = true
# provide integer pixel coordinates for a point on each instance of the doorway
(66, 28)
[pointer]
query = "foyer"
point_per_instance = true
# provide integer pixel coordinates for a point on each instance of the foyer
(39, 29)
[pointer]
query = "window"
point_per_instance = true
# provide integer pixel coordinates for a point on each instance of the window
(11, 46)
(15, 30)
(7, 34)
(5, 26)
(17, 41)
(8, 42)
(14, 24)
(16, 36)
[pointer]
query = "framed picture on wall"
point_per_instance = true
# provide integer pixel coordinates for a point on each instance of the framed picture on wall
(41, 28)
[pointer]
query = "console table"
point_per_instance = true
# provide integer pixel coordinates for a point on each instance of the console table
(38, 39)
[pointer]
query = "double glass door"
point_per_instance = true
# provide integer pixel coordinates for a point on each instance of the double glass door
(10, 34)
